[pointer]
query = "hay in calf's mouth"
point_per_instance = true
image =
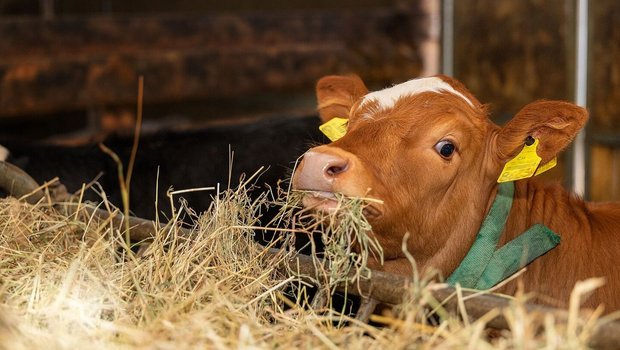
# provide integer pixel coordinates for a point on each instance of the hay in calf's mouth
(346, 235)
(66, 283)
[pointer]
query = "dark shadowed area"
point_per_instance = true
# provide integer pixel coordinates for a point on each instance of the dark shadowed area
(185, 160)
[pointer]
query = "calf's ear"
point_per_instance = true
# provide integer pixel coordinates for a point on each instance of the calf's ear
(336, 95)
(553, 123)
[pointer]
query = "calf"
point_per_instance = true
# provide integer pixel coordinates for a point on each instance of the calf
(428, 152)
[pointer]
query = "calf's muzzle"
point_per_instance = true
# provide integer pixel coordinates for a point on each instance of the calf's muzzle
(319, 170)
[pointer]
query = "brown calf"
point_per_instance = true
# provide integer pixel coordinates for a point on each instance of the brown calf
(427, 149)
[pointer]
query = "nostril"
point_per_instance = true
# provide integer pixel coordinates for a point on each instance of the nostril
(335, 169)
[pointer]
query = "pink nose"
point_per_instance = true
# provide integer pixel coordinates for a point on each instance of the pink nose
(318, 170)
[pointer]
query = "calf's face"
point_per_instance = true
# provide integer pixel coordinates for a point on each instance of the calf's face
(426, 151)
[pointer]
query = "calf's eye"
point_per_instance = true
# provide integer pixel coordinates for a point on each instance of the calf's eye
(445, 148)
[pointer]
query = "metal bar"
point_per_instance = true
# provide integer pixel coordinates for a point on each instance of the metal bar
(581, 95)
(447, 38)
(431, 46)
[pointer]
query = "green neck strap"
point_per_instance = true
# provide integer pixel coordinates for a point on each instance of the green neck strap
(485, 266)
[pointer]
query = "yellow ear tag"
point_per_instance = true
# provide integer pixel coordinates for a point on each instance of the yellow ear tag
(335, 128)
(522, 166)
(550, 164)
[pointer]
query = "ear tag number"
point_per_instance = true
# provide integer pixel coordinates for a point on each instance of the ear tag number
(522, 166)
(335, 128)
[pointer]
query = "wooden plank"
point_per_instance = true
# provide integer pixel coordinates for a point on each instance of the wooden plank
(69, 36)
(71, 63)
(47, 85)
(604, 170)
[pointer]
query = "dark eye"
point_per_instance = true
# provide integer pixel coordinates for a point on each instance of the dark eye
(445, 148)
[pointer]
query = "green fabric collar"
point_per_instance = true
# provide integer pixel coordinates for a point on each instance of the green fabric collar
(484, 265)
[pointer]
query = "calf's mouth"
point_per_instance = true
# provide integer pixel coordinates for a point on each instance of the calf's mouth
(321, 201)
(330, 203)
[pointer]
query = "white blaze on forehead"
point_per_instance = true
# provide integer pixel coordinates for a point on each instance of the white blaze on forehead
(388, 97)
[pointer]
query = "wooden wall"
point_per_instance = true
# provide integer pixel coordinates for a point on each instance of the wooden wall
(604, 99)
(70, 63)
(513, 52)
(216, 58)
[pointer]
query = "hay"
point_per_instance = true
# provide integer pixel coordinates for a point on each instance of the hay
(345, 235)
(70, 282)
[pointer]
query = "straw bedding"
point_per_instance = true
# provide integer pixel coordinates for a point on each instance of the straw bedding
(70, 282)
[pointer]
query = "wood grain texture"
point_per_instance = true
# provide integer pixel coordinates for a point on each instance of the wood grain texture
(81, 62)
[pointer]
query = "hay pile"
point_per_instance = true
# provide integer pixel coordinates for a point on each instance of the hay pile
(70, 283)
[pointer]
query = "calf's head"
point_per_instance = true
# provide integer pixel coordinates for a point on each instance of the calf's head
(428, 152)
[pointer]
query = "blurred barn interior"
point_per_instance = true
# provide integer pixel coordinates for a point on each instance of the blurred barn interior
(240, 75)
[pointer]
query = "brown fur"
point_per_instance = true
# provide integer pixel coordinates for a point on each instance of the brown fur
(442, 203)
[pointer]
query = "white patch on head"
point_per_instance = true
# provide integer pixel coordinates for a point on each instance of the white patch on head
(388, 97)
(4, 153)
